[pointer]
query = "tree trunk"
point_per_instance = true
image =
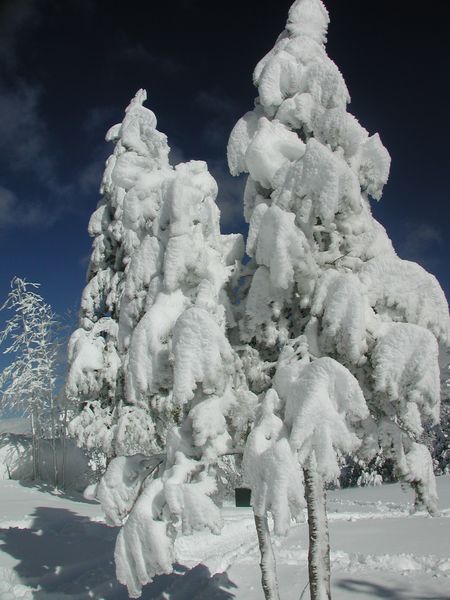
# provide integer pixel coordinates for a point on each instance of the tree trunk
(64, 449)
(53, 430)
(267, 564)
(319, 544)
(34, 444)
(38, 446)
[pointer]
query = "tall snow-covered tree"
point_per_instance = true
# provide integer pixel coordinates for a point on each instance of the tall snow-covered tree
(177, 387)
(28, 383)
(323, 275)
(117, 286)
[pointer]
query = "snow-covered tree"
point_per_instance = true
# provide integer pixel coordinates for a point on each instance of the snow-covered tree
(182, 401)
(273, 474)
(117, 287)
(324, 282)
(28, 382)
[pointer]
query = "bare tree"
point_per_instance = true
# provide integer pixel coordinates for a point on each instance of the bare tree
(28, 383)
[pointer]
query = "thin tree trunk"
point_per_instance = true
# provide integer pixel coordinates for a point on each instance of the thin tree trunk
(34, 444)
(53, 430)
(267, 564)
(38, 445)
(64, 449)
(319, 543)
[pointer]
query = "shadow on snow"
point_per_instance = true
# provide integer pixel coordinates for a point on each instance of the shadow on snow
(67, 555)
(356, 588)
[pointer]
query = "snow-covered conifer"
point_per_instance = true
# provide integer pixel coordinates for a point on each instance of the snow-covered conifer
(322, 267)
(116, 289)
(181, 362)
(183, 388)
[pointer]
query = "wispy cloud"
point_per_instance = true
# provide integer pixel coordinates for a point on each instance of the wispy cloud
(26, 149)
(23, 132)
(19, 214)
(420, 238)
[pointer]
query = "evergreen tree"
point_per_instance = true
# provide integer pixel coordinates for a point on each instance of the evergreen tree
(183, 401)
(116, 289)
(325, 283)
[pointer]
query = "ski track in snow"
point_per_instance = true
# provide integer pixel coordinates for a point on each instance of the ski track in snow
(56, 548)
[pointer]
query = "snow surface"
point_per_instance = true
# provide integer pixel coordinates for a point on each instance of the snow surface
(55, 547)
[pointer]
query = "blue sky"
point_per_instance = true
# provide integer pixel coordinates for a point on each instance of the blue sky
(68, 69)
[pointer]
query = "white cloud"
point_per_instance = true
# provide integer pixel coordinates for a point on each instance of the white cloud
(23, 132)
(25, 148)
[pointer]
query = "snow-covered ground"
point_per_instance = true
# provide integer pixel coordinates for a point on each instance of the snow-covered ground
(58, 548)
